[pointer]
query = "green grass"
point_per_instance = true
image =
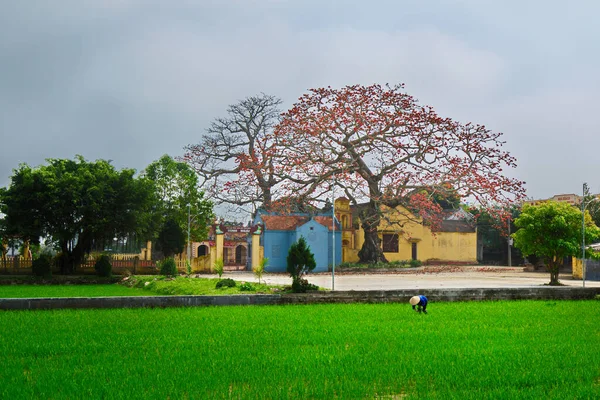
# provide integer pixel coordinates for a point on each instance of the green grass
(163, 286)
(89, 290)
(477, 350)
(134, 286)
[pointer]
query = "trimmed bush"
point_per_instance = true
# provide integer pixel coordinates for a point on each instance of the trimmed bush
(247, 287)
(415, 263)
(42, 266)
(302, 286)
(168, 267)
(103, 266)
(223, 283)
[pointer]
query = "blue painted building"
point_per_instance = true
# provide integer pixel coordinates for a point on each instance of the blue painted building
(280, 231)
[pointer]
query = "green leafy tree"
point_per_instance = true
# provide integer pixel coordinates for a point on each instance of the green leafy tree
(592, 202)
(171, 238)
(552, 231)
(300, 260)
(180, 198)
(76, 203)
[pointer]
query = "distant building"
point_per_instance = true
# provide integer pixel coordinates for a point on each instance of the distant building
(403, 237)
(570, 198)
(281, 230)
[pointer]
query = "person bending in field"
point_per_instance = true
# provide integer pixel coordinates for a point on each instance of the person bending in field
(419, 303)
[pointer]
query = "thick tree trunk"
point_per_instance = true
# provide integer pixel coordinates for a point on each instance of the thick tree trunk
(65, 263)
(371, 251)
(553, 267)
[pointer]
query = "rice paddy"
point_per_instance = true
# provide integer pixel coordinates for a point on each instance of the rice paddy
(476, 350)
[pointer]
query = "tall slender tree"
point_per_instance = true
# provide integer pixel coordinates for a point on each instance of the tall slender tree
(180, 198)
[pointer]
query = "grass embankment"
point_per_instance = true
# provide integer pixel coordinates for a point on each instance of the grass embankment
(164, 286)
(518, 349)
(133, 286)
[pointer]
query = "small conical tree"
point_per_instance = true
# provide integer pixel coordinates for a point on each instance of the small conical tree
(300, 260)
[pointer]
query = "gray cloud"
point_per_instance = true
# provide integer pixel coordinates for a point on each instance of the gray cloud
(132, 80)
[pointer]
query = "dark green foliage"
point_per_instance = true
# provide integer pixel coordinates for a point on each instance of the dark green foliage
(300, 259)
(247, 287)
(42, 266)
(302, 286)
(179, 197)
(171, 239)
(415, 263)
(168, 267)
(103, 266)
(492, 237)
(227, 282)
(75, 203)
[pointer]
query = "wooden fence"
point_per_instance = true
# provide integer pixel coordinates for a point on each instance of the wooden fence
(124, 265)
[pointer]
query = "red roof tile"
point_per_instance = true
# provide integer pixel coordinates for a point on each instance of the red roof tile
(283, 222)
(325, 221)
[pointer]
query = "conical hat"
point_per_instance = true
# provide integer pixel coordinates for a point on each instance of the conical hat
(414, 300)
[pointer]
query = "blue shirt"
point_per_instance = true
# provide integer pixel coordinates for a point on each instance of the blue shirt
(422, 301)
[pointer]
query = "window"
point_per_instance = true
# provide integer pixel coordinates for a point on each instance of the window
(345, 221)
(276, 251)
(202, 250)
(390, 243)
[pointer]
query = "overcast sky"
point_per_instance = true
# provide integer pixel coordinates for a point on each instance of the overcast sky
(131, 80)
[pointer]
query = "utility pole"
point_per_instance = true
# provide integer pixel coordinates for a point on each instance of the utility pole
(583, 233)
(510, 242)
(333, 235)
(189, 250)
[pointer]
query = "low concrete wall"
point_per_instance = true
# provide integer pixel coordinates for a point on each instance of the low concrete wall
(374, 296)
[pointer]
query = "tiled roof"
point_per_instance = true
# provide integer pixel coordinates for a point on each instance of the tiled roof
(325, 221)
(283, 222)
(449, 225)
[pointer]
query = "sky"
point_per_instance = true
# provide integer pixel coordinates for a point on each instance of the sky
(131, 80)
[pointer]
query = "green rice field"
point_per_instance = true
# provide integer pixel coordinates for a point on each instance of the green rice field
(474, 350)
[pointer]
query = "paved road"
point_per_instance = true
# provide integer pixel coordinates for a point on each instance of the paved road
(423, 278)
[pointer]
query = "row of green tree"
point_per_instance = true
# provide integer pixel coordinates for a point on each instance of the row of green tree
(77, 206)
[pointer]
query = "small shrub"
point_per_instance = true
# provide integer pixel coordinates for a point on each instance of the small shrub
(302, 286)
(168, 267)
(223, 283)
(247, 287)
(42, 266)
(218, 267)
(259, 270)
(415, 263)
(188, 267)
(103, 266)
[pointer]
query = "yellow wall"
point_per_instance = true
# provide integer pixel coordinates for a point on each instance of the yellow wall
(442, 246)
(577, 269)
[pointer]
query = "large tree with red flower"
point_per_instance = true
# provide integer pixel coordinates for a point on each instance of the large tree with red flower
(384, 149)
